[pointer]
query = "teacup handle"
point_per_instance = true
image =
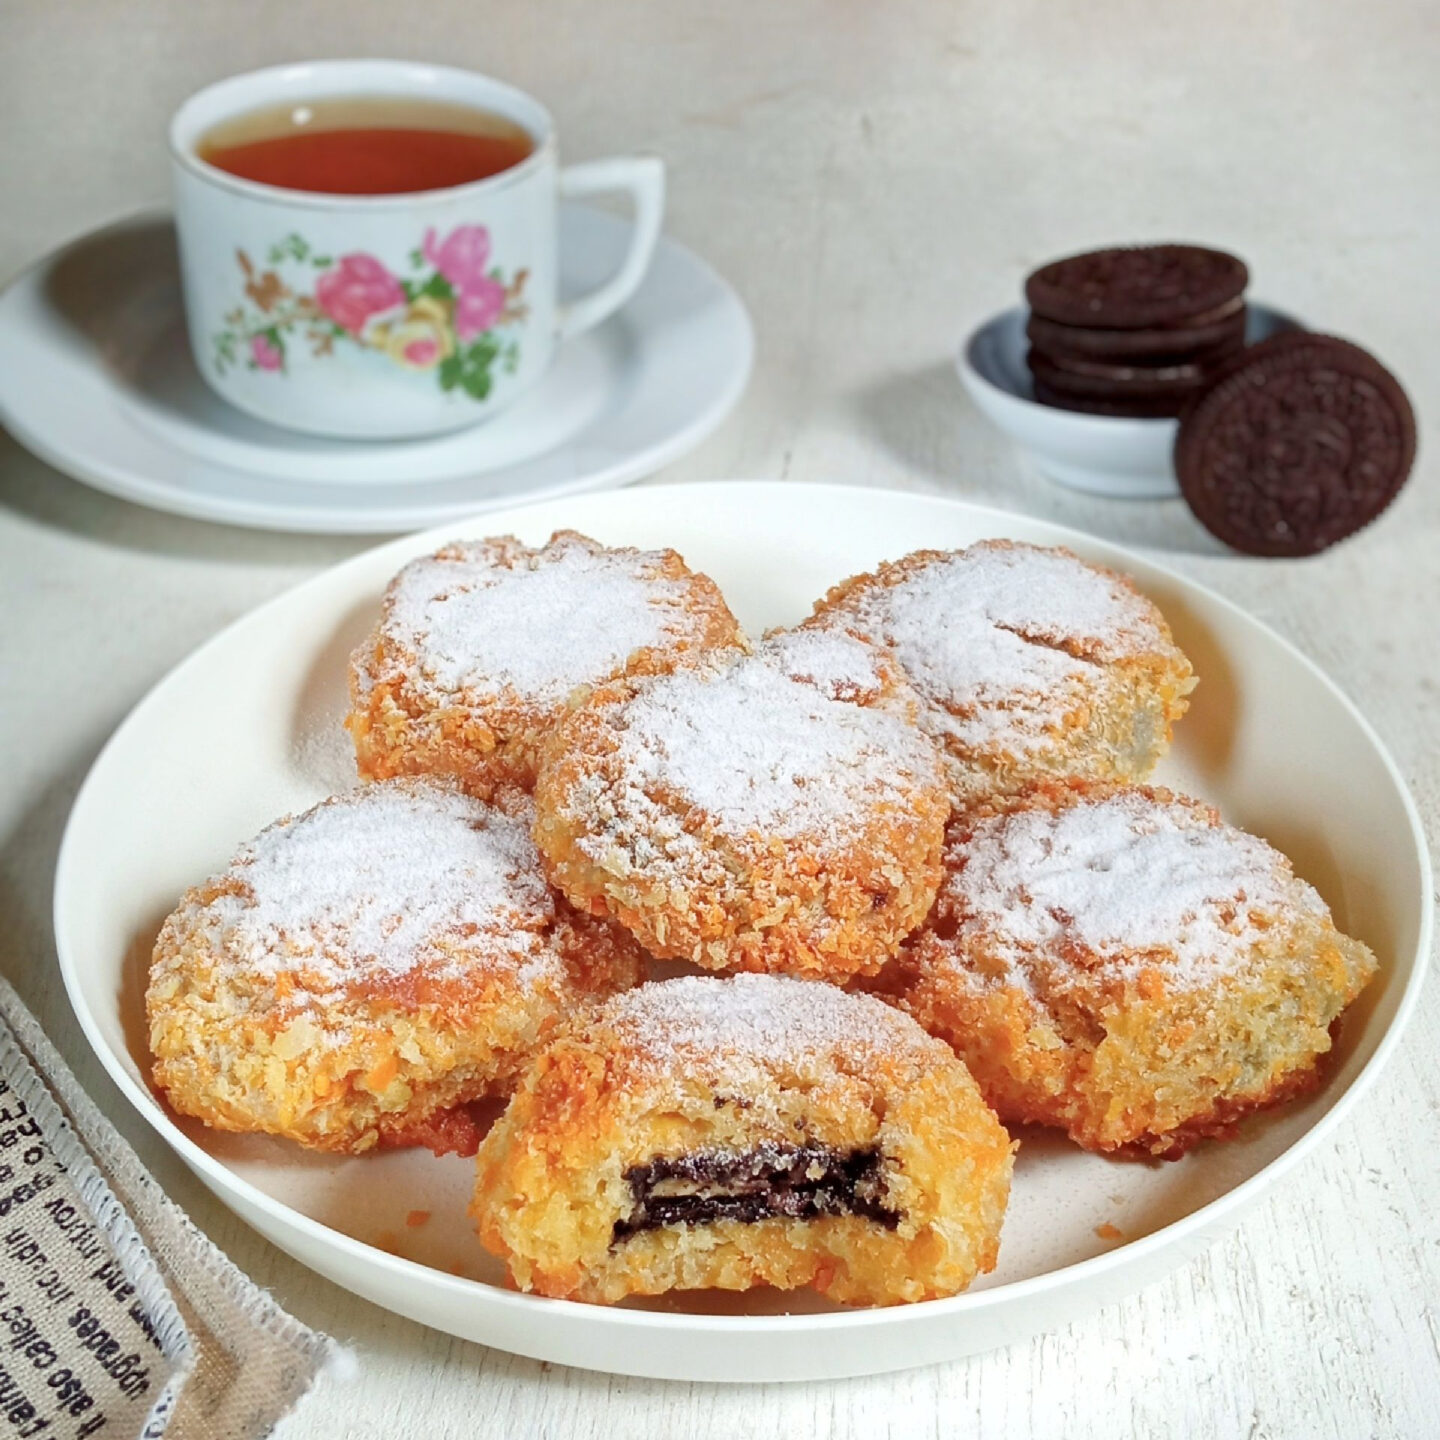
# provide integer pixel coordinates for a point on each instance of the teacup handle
(643, 177)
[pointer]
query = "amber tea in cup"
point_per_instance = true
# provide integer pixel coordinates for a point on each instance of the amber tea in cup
(366, 145)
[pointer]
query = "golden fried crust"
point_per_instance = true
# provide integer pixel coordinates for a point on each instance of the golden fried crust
(828, 891)
(283, 1029)
(1031, 663)
(555, 1190)
(409, 715)
(1146, 1050)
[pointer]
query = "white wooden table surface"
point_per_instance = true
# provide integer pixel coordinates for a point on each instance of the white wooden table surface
(873, 178)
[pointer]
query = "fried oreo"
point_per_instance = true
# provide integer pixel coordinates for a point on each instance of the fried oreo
(361, 973)
(1117, 962)
(479, 646)
(1028, 662)
(1298, 443)
(780, 811)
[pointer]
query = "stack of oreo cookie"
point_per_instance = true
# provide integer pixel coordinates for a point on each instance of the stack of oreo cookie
(1136, 331)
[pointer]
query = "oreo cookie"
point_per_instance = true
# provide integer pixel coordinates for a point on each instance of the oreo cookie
(1136, 288)
(1132, 409)
(1296, 444)
(1123, 390)
(1174, 379)
(1137, 331)
(1208, 338)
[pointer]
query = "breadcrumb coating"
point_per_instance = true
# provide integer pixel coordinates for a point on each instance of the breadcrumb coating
(1030, 663)
(1115, 961)
(362, 969)
(772, 812)
(480, 645)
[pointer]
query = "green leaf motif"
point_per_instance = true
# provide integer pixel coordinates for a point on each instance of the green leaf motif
(292, 247)
(321, 261)
(224, 351)
(417, 260)
(438, 286)
(471, 368)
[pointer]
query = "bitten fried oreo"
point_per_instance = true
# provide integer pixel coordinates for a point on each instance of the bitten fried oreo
(1299, 442)
(1130, 288)
(706, 1133)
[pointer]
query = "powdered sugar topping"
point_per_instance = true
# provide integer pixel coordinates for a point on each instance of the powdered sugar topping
(372, 884)
(1001, 638)
(1115, 883)
(765, 1020)
(837, 664)
(757, 751)
(490, 618)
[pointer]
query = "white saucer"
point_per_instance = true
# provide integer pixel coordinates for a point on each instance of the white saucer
(96, 378)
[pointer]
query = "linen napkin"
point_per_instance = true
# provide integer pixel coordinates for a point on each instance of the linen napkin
(118, 1318)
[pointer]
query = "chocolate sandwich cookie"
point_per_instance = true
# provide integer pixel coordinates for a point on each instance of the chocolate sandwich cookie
(1096, 380)
(1134, 288)
(1134, 409)
(1209, 337)
(1301, 441)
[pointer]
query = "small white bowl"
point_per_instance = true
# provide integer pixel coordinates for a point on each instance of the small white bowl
(1103, 454)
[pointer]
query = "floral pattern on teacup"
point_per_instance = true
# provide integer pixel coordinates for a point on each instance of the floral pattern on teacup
(444, 316)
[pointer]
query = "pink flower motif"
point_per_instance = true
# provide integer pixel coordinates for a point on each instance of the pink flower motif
(422, 353)
(478, 308)
(463, 256)
(265, 353)
(357, 288)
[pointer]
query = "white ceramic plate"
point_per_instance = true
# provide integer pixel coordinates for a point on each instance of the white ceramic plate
(249, 726)
(96, 378)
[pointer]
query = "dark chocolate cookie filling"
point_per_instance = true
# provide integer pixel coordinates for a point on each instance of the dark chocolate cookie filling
(771, 1181)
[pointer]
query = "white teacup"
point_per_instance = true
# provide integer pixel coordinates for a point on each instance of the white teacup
(377, 316)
